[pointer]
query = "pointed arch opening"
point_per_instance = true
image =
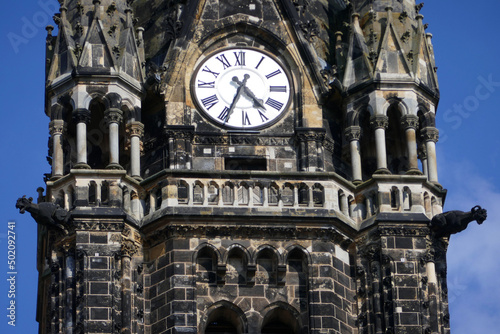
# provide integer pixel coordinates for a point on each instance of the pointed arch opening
(225, 318)
(397, 148)
(281, 320)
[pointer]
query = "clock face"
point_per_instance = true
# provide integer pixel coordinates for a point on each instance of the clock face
(241, 88)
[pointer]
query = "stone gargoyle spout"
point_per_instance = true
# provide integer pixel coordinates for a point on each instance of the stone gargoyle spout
(48, 214)
(451, 222)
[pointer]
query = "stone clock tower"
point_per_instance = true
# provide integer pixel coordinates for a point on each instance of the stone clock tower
(243, 166)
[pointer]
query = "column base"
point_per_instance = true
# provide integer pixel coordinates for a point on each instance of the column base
(357, 182)
(81, 165)
(383, 171)
(137, 178)
(414, 171)
(115, 166)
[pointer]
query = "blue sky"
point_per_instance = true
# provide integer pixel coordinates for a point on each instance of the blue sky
(466, 46)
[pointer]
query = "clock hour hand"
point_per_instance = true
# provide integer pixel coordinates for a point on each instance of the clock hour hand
(257, 103)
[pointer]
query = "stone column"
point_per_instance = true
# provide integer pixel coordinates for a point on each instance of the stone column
(422, 155)
(380, 124)
(57, 128)
(113, 117)
(353, 133)
(410, 124)
(136, 131)
(82, 118)
(431, 136)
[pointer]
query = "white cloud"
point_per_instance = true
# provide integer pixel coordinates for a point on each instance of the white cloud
(473, 255)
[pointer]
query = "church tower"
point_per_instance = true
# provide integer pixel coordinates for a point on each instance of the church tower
(243, 166)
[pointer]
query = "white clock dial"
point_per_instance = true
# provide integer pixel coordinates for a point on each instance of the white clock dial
(241, 88)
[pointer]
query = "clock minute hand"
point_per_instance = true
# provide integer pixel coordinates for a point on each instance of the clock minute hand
(237, 96)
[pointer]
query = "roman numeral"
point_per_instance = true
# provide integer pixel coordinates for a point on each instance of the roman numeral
(224, 114)
(240, 58)
(244, 116)
(210, 101)
(222, 58)
(260, 62)
(279, 89)
(262, 116)
(270, 75)
(202, 84)
(206, 69)
(275, 104)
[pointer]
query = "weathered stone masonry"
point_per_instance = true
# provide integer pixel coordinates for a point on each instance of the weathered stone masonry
(161, 217)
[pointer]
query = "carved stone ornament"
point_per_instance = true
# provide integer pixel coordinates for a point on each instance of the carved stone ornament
(353, 133)
(409, 122)
(135, 129)
(113, 115)
(379, 122)
(402, 231)
(310, 29)
(129, 248)
(57, 127)
(98, 226)
(445, 224)
(251, 232)
(47, 214)
(430, 134)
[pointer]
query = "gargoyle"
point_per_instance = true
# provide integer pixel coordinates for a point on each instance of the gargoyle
(48, 214)
(447, 223)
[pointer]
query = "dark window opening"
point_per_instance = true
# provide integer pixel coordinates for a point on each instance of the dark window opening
(246, 163)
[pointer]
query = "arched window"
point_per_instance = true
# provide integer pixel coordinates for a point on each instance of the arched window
(427, 205)
(225, 318)
(243, 194)
(258, 194)
(367, 145)
(206, 263)
(273, 194)
(92, 193)
(343, 203)
(407, 199)
(297, 272)
(318, 195)
(236, 266)
(228, 193)
(182, 192)
(397, 155)
(198, 193)
(395, 198)
(213, 193)
(97, 136)
(267, 264)
(105, 193)
(287, 194)
(303, 194)
(158, 198)
(280, 321)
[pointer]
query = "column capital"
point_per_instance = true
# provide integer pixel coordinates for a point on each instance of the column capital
(113, 115)
(409, 122)
(57, 127)
(430, 133)
(379, 121)
(135, 129)
(352, 133)
(81, 115)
